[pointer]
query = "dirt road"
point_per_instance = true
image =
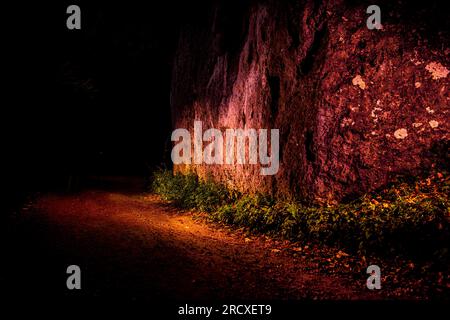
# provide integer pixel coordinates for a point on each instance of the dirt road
(133, 246)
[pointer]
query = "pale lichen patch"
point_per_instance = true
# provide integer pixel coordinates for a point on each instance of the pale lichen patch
(429, 110)
(374, 115)
(358, 81)
(437, 70)
(347, 122)
(401, 133)
(433, 124)
(417, 124)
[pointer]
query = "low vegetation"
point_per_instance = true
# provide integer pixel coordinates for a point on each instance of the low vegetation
(410, 218)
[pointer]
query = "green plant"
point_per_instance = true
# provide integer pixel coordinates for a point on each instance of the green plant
(411, 218)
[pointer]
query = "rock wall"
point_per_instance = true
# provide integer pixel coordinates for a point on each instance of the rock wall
(355, 107)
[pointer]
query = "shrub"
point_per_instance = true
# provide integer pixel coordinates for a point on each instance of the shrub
(411, 218)
(189, 192)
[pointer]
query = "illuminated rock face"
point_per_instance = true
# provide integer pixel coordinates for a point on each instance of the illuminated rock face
(355, 107)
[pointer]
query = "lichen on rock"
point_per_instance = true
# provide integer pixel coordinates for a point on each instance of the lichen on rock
(401, 133)
(433, 123)
(306, 72)
(437, 70)
(358, 81)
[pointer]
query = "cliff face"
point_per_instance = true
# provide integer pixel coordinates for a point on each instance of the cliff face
(354, 106)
